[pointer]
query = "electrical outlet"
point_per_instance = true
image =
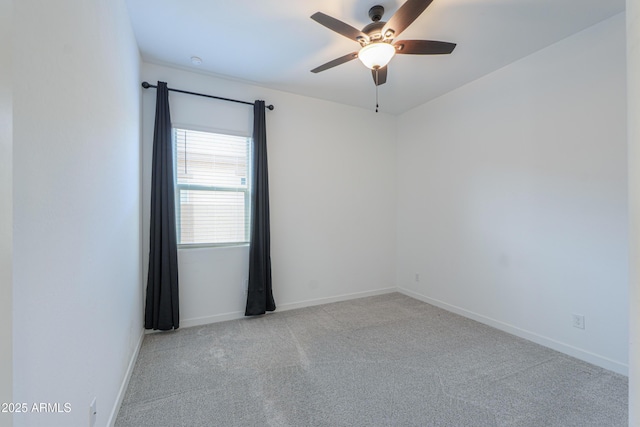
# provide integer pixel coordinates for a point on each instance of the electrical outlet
(417, 277)
(93, 413)
(578, 321)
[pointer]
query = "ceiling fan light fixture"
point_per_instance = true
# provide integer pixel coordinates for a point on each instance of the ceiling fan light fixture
(376, 55)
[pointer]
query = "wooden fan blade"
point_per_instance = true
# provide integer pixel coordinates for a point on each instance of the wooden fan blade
(423, 47)
(381, 78)
(346, 58)
(404, 16)
(339, 27)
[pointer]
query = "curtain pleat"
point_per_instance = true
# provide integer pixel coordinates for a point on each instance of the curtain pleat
(259, 292)
(161, 309)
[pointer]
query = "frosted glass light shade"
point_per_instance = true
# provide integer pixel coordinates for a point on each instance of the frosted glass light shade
(376, 55)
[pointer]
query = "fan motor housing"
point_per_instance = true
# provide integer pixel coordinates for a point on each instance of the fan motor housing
(374, 30)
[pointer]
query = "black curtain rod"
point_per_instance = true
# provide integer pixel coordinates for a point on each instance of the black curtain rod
(147, 86)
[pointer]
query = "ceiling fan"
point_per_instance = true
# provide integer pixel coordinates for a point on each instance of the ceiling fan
(377, 40)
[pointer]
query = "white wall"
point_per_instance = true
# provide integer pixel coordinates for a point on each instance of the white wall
(512, 197)
(332, 189)
(6, 207)
(76, 174)
(633, 102)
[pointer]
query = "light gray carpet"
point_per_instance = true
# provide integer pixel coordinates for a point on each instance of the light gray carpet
(388, 360)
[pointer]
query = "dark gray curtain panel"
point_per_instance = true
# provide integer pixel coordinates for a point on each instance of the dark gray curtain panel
(161, 309)
(259, 292)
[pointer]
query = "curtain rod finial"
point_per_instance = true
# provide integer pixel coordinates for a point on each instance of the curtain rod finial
(270, 107)
(146, 85)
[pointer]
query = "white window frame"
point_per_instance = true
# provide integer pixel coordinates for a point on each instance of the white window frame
(181, 187)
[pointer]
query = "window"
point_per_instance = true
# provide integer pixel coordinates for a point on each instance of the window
(212, 187)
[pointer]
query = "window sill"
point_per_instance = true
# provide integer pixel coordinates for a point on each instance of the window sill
(212, 245)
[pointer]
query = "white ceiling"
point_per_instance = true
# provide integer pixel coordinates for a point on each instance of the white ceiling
(274, 43)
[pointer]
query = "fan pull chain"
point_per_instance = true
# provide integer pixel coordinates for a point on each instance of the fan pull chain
(377, 89)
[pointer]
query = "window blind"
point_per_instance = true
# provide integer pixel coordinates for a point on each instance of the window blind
(212, 187)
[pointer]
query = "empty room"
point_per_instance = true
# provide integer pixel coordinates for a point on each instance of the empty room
(319, 213)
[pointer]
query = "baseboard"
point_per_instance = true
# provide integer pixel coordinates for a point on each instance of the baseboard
(578, 353)
(329, 300)
(125, 382)
(199, 321)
